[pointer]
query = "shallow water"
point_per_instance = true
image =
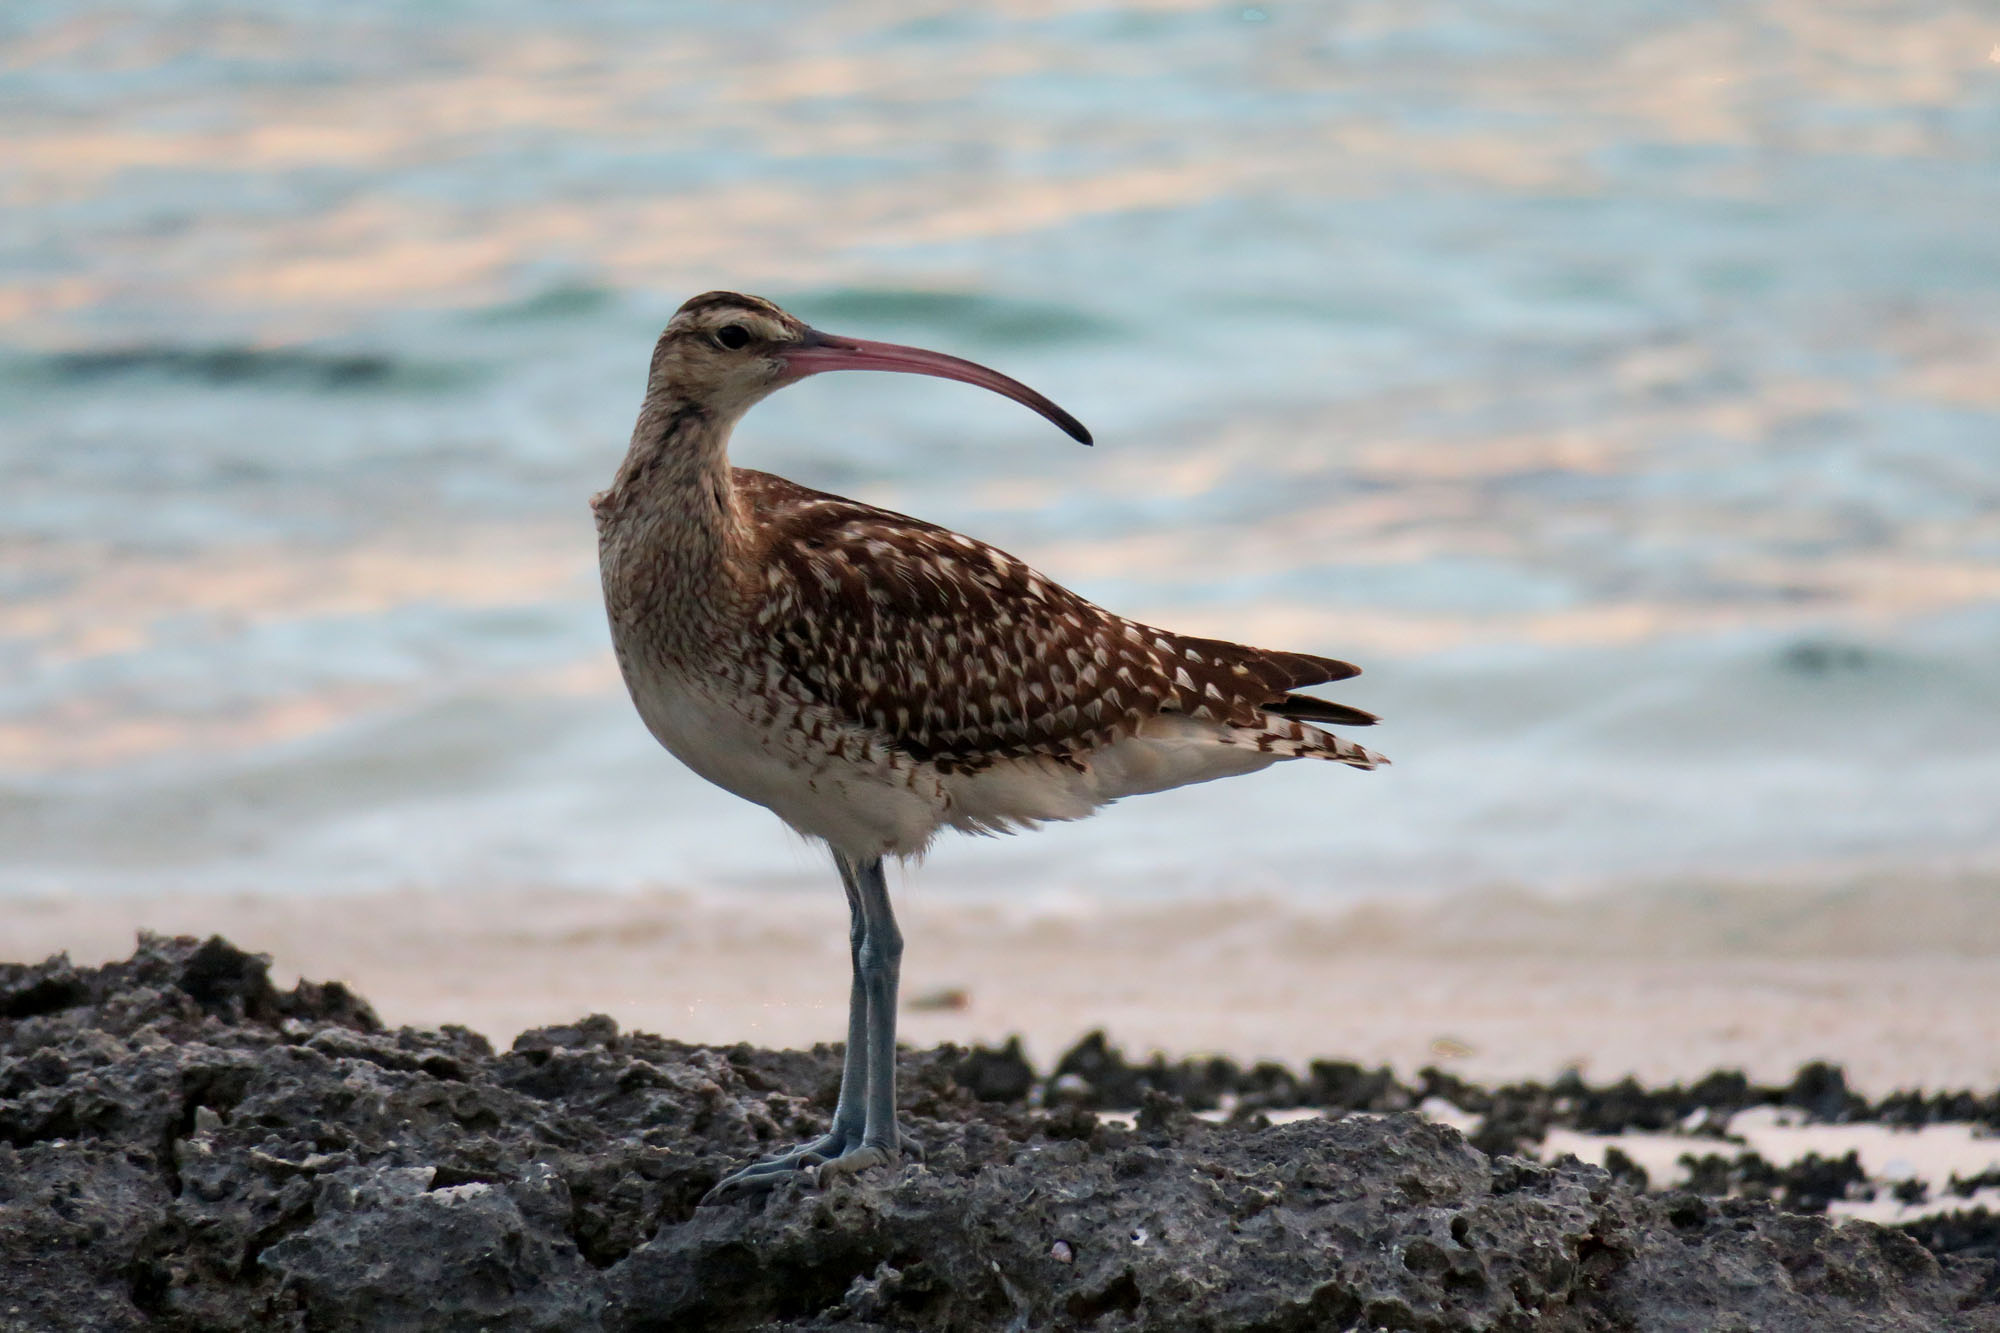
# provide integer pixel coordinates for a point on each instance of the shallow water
(1621, 387)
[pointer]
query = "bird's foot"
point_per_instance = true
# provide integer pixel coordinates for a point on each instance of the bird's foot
(837, 1152)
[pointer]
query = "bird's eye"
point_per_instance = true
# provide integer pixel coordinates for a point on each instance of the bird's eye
(732, 336)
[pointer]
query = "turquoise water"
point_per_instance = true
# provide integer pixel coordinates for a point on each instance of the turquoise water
(1620, 384)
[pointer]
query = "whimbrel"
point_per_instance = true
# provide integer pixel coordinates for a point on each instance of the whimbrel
(874, 679)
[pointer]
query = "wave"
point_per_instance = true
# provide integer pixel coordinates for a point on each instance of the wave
(237, 366)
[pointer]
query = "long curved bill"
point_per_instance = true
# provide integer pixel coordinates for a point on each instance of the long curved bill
(822, 352)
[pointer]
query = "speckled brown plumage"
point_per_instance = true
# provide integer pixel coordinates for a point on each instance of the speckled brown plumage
(961, 655)
(856, 670)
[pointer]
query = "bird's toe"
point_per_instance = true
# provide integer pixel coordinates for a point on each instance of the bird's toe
(745, 1184)
(853, 1162)
(766, 1173)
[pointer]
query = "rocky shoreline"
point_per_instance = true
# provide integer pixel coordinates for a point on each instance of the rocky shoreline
(182, 1146)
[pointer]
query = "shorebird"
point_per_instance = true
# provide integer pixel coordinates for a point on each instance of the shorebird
(874, 679)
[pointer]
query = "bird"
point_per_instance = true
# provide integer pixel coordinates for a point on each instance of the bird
(874, 679)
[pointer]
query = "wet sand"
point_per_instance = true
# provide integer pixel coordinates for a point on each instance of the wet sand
(1899, 986)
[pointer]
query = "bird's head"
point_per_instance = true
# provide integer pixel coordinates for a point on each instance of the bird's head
(724, 352)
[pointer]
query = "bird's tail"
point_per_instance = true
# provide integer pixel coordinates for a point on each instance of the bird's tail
(1292, 739)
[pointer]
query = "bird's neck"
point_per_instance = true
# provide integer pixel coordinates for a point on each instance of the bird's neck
(672, 520)
(677, 462)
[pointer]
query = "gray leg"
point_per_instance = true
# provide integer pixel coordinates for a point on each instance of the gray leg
(858, 1117)
(878, 970)
(847, 1112)
(878, 964)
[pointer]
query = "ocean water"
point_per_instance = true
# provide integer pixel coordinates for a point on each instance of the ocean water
(1619, 384)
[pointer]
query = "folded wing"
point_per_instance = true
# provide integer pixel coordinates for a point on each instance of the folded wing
(961, 655)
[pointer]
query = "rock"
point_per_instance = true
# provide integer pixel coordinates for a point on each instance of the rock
(1972, 1233)
(995, 1076)
(391, 1248)
(184, 1146)
(1821, 1090)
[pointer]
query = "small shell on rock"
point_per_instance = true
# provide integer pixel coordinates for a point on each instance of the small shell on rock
(1062, 1253)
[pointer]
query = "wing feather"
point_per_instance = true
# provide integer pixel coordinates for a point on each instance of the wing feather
(960, 654)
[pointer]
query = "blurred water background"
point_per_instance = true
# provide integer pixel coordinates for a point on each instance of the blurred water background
(1620, 383)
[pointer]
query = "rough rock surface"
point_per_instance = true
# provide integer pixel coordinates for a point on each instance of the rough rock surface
(184, 1147)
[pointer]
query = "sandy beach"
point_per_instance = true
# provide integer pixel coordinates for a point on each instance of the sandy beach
(1897, 980)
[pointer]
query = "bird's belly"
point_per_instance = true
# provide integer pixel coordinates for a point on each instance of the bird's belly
(1167, 751)
(793, 758)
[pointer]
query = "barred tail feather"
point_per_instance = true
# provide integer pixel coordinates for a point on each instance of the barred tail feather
(1289, 739)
